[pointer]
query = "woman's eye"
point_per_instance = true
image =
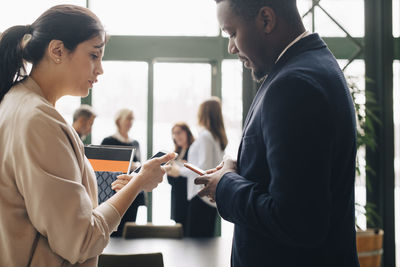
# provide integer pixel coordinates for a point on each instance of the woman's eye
(94, 56)
(232, 35)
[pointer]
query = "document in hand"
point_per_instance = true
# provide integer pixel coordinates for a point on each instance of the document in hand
(108, 162)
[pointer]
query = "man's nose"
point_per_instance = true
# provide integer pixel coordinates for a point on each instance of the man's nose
(232, 49)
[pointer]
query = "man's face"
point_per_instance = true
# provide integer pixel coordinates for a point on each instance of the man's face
(87, 125)
(246, 39)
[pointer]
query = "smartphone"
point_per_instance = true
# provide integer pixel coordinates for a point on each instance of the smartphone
(194, 168)
(157, 155)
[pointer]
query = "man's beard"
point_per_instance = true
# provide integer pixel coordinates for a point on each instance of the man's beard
(258, 75)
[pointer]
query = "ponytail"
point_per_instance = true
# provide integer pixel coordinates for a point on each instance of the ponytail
(19, 44)
(12, 66)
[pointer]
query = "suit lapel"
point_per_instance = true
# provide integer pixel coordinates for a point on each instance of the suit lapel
(313, 41)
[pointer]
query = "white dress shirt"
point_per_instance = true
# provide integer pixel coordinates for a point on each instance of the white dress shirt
(298, 38)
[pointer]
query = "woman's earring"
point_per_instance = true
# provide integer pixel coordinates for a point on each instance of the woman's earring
(58, 60)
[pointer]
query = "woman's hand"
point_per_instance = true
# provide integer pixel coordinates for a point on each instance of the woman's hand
(151, 173)
(121, 181)
(173, 170)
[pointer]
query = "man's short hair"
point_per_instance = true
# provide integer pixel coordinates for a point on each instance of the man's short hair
(248, 9)
(85, 111)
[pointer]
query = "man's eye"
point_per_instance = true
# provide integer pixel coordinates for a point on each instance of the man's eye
(232, 35)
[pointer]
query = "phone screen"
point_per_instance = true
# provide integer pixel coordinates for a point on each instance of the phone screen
(157, 155)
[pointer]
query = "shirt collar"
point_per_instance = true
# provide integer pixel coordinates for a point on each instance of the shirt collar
(304, 34)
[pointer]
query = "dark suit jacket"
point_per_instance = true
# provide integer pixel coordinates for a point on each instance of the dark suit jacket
(292, 201)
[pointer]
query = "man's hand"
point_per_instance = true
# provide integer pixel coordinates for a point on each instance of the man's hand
(213, 176)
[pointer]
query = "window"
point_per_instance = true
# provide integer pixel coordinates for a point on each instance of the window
(357, 70)
(123, 85)
(23, 12)
(67, 105)
(179, 88)
(396, 119)
(396, 18)
(232, 109)
(343, 12)
(157, 17)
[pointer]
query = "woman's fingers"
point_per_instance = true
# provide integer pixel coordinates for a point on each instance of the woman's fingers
(166, 157)
(118, 186)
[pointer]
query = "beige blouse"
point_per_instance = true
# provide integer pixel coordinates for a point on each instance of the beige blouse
(48, 192)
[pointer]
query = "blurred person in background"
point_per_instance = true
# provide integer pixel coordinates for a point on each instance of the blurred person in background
(206, 152)
(124, 120)
(83, 120)
(183, 138)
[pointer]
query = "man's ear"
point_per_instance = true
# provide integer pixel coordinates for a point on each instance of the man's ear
(267, 18)
(56, 51)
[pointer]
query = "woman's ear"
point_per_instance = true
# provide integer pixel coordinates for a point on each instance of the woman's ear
(267, 18)
(56, 51)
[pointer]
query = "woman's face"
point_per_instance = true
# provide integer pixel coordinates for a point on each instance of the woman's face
(180, 137)
(125, 124)
(83, 65)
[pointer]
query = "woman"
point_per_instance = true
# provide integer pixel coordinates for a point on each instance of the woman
(183, 138)
(206, 153)
(48, 193)
(124, 121)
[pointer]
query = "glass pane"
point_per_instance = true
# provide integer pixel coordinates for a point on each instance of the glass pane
(123, 85)
(179, 88)
(356, 70)
(304, 6)
(351, 18)
(396, 18)
(22, 12)
(158, 17)
(232, 109)
(67, 106)
(396, 118)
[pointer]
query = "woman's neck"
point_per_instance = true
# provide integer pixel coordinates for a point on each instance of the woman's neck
(123, 134)
(48, 83)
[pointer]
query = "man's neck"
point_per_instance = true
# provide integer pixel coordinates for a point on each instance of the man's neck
(289, 37)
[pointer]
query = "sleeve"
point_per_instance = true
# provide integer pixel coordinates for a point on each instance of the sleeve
(57, 203)
(295, 207)
(201, 155)
(106, 141)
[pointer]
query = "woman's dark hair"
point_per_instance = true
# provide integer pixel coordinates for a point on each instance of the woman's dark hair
(20, 44)
(186, 129)
(210, 117)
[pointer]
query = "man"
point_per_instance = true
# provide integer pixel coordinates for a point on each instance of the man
(83, 120)
(291, 192)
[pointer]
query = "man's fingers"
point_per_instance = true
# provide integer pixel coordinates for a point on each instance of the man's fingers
(211, 171)
(220, 165)
(203, 192)
(201, 180)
